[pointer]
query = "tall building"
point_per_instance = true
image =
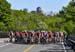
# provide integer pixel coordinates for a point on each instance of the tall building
(39, 10)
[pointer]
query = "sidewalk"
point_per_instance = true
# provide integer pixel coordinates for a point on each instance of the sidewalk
(3, 39)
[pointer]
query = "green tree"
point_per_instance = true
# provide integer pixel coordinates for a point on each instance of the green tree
(68, 13)
(5, 12)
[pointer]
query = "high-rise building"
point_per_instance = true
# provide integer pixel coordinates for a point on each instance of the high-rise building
(39, 10)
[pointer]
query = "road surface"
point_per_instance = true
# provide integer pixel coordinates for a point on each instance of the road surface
(9, 47)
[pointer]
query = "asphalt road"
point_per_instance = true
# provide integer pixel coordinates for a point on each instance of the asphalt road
(9, 47)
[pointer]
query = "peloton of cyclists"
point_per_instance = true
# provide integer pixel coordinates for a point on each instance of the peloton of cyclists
(30, 37)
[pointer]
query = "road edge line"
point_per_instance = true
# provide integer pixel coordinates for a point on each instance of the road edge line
(64, 47)
(5, 45)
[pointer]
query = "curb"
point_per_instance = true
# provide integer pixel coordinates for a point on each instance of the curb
(2, 40)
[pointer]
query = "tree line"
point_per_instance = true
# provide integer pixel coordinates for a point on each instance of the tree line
(11, 19)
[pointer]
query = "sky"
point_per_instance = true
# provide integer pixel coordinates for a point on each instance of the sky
(46, 5)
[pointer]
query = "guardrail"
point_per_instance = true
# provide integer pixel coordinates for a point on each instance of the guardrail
(3, 34)
(71, 41)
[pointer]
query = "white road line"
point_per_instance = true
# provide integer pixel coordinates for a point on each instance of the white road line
(64, 47)
(5, 45)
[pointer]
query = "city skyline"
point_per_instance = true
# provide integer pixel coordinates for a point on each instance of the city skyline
(46, 5)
